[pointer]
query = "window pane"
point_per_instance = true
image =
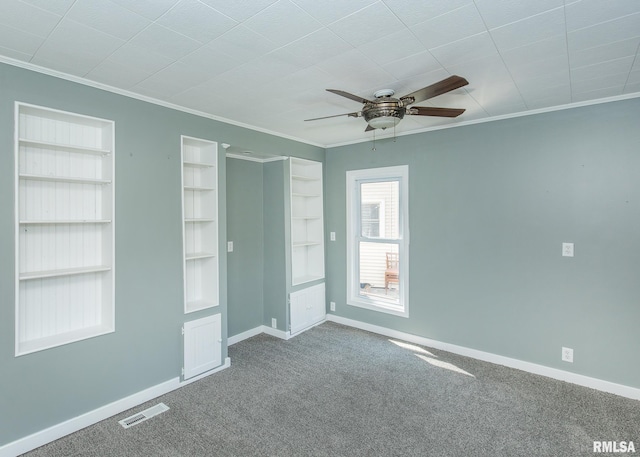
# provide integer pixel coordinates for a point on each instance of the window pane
(370, 218)
(379, 271)
(379, 209)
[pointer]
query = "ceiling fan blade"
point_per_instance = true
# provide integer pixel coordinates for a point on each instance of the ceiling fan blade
(439, 88)
(369, 128)
(355, 98)
(440, 112)
(356, 114)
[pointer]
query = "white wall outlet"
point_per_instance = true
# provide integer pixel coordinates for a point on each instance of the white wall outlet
(274, 322)
(332, 306)
(567, 355)
(567, 249)
(229, 246)
(333, 236)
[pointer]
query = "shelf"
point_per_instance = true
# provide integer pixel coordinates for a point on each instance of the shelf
(199, 188)
(299, 244)
(196, 305)
(199, 160)
(66, 222)
(199, 219)
(65, 147)
(307, 278)
(198, 255)
(298, 194)
(187, 163)
(304, 178)
(306, 219)
(63, 272)
(65, 200)
(64, 179)
(26, 347)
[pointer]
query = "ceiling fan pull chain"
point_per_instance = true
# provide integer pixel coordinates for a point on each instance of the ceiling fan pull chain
(374, 140)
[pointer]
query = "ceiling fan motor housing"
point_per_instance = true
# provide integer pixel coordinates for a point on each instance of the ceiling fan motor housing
(384, 107)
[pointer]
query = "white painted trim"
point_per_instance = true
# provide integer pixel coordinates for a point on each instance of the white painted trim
(574, 378)
(257, 331)
(35, 440)
(307, 328)
(269, 331)
(144, 98)
(275, 332)
(398, 172)
(226, 364)
(381, 135)
(244, 335)
(126, 93)
(231, 155)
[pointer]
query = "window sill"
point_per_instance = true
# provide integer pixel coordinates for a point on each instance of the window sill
(379, 306)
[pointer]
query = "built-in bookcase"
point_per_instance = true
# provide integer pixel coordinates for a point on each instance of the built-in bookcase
(307, 226)
(64, 165)
(200, 223)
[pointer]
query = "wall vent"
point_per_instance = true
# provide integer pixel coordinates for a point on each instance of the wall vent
(144, 415)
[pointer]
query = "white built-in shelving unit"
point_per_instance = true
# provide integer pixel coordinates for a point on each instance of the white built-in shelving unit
(307, 226)
(200, 223)
(64, 177)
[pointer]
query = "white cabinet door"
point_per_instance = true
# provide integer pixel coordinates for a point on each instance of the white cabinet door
(307, 307)
(202, 345)
(298, 311)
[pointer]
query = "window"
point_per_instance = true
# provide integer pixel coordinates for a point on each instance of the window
(378, 239)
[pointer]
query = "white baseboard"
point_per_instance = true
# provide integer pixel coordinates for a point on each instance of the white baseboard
(227, 364)
(269, 331)
(244, 335)
(581, 380)
(35, 440)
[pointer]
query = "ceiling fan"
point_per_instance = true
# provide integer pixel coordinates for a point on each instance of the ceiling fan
(386, 111)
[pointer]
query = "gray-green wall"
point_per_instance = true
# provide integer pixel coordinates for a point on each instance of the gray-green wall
(43, 389)
(245, 227)
(489, 207)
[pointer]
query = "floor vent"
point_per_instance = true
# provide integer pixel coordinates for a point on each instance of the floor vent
(144, 415)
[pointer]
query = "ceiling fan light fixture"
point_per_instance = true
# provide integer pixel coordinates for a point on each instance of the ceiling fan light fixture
(383, 122)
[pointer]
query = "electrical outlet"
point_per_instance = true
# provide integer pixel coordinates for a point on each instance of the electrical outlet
(333, 236)
(567, 249)
(274, 322)
(567, 355)
(229, 246)
(332, 306)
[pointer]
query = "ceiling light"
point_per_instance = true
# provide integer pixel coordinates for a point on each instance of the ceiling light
(383, 122)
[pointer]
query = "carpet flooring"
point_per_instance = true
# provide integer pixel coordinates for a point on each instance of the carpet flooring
(339, 391)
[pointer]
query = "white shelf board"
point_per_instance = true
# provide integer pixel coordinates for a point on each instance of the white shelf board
(197, 305)
(299, 244)
(64, 179)
(304, 178)
(307, 278)
(65, 147)
(199, 188)
(298, 194)
(63, 272)
(188, 163)
(25, 347)
(306, 218)
(198, 255)
(199, 219)
(66, 222)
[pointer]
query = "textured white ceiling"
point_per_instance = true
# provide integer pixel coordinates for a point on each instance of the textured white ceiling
(267, 63)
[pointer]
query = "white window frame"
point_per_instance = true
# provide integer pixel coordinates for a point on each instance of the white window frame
(354, 237)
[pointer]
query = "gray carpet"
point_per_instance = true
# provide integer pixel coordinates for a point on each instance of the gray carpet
(338, 391)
